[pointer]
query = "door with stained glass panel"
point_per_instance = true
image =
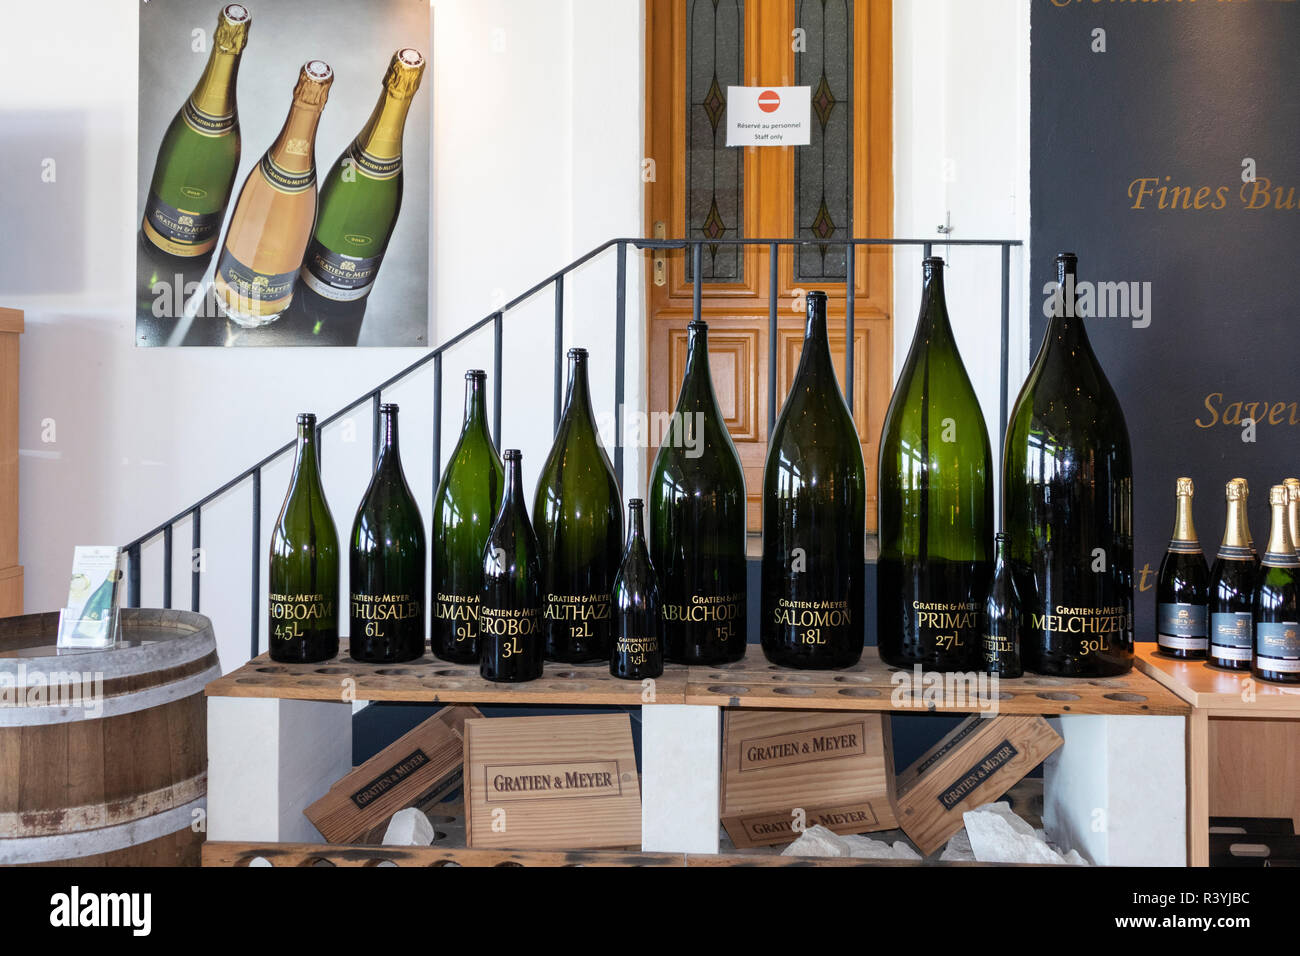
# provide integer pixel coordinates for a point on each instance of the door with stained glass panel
(837, 187)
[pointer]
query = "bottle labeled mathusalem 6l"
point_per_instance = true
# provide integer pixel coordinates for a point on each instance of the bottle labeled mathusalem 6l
(814, 518)
(1001, 638)
(273, 217)
(638, 623)
(303, 571)
(578, 515)
(386, 571)
(464, 508)
(936, 502)
(199, 156)
(697, 522)
(1183, 588)
(1232, 587)
(362, 194)
(1067, 485)
(1277, 600)
(510, 612)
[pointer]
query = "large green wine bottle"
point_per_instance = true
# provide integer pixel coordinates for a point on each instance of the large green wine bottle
(1067, 486)
(199, 155)
(638, 651)
(697, 522)
(386, 571)
(579, 520)
(814, 517)
(510, 613)
(362, 195)
(1276, 607)
(463, 511)
(303, 573)
(936, 502)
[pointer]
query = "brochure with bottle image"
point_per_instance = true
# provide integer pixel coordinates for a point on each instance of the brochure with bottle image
(94, 596)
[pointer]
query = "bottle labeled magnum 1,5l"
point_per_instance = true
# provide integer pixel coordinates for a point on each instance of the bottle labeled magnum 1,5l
(1277, 600)
(1183, 587)
(1232, 587)
(814, 518)
(510, 612)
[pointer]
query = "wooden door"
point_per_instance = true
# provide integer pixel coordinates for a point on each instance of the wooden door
(837, 187)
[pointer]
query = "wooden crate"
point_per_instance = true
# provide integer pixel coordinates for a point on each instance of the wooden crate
(838, 769)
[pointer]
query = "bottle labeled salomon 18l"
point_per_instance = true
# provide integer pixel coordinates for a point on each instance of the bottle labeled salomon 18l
(464, 509)
(1183, 588)
(510, 612)
(1067, 485)
(578, 515)
(362, 194)
(387, 566)
(638, 624)
(814, 517)
(1277, 600)
(697, 522)
(1232, 587)
(936, 502)
(303, 571)
(1001, 638)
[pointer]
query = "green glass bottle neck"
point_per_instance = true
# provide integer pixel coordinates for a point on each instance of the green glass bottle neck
(933, 323)
(214, 94)
(1066, 325)
(815, 358)
(577, 399)
(475, 406)
(381, 137)
(635, 528)
(514, 484)
(390, 457)
(306, 466)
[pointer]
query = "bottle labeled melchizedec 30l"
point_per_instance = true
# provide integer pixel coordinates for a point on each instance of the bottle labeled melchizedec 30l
(697, 522)
(199, 154)
(1183, 587)
(1276, 607)
(935, 501)
(1067, 486)
(814, 517)
(638, 623)
(1232, 587)
(510, 612)
(578, 515)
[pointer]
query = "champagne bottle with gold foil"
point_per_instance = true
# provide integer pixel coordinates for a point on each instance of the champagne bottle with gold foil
(199, 155)
(362, 195)
(275, 212)
(1182, 588)
(1232, 587)
(1277, 600)
(1292, 486)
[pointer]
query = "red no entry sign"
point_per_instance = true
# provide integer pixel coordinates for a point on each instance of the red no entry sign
(768, 101)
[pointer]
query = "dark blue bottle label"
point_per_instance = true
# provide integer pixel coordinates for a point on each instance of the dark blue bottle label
(177, 231)
(1183, 627)
(1277, 646)
(251, 284)
(338, 276)
(1230, 637)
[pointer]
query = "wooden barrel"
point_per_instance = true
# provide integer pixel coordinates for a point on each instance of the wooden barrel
(104, 753)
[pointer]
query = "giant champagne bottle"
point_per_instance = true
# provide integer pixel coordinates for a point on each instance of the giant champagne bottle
(463, 511)
(362, 194)
(697, 522)
(1232, 587)
(387, 566)
(638, 651)
(274, 214)
(303, 571)
(579, 520)
(814, 517)
(936, 502)
(1183, 587)
(510, 612)
(1277, 600)
(199, 155)
(1067, 485)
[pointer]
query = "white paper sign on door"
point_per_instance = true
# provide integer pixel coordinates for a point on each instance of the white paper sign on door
(768, 115)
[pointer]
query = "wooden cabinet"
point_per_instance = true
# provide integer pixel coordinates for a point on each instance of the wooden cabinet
(11, 572)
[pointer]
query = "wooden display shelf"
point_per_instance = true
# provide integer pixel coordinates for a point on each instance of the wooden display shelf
(1221, 693)
(868, 685)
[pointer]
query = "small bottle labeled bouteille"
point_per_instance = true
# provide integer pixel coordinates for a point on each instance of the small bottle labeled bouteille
(386, 571)
(1182, 588)
(1232, 587)
(303, 571)
(638, 622)
(1001, 639)
(1277, 600)
(275, 212)
(510, 611)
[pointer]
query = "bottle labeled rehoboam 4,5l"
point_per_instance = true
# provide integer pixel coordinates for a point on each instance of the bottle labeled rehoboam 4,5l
(1276, 606)
(1183, 587)
(638, 622)
(510, 612)
(199, 155)
(1232, 587)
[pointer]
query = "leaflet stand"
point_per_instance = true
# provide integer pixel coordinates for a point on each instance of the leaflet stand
(81, 632)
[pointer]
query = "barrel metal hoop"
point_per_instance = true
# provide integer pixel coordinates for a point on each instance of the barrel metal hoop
(83, 843)
(16, 715)
(95, 816)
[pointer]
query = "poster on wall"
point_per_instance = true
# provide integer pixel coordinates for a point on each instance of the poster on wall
(283, 182)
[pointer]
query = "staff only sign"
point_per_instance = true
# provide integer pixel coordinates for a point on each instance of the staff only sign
(768, 115)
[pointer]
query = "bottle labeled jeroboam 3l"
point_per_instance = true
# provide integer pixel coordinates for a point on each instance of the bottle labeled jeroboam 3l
(510, 612)
(275, 212)
(1277, 600)
(1183, 588)
(1067, 486)
(638, 622)
(936, 502)
(1232, 587)
(362, 195)
(464, 509)
(199, 155)
(814, 517)
(303, 570)
(579, 520)
(386, 572)
(697, 522)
